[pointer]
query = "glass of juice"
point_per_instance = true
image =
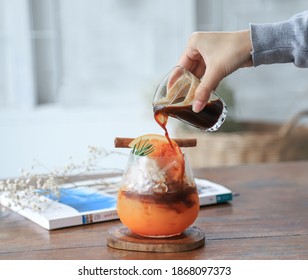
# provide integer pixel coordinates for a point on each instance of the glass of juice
(158, 195)
(174, 97)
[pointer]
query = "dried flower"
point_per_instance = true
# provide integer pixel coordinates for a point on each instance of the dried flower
(29, 189)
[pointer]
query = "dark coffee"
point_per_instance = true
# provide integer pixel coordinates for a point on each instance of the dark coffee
(203, 120)
(181, 194)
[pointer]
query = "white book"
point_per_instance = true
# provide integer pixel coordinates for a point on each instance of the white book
(90, 201)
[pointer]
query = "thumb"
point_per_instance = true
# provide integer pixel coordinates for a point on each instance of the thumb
(208, 83)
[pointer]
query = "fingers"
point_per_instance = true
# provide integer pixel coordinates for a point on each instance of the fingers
(202, 96)
(208, 83)
(196, 66)
(176, 73)
(192, 59)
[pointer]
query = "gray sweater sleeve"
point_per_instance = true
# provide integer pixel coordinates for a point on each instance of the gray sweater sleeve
(281, 42)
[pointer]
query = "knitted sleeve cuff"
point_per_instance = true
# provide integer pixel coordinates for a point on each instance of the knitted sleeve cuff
(281, 42)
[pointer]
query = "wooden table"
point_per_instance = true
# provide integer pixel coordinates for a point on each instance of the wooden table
(268, 220)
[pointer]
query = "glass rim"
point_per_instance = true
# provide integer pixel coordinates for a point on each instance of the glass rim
(185, 71)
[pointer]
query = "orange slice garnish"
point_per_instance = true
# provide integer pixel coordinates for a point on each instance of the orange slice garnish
(162, 147)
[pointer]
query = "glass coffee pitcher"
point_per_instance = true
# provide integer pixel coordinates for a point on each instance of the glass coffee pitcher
(174, 97)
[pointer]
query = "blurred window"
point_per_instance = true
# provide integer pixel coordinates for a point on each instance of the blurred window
(80, 53)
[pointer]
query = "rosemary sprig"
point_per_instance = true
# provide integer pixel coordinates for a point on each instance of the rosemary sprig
(144, 149)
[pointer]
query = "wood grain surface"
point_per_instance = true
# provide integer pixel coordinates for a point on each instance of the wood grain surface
(268, 220)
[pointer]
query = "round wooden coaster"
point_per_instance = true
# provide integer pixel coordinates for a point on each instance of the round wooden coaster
(120, 237)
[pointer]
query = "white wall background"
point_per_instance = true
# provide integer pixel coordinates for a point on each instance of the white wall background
(75, 73)
(96, 64)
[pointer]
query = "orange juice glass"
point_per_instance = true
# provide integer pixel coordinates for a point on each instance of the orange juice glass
(158, 196)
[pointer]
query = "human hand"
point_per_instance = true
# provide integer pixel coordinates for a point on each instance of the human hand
(213, 56)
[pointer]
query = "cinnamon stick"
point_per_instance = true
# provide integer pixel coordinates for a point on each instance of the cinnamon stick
(123, 142)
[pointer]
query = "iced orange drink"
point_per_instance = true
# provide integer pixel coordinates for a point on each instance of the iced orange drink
(158, 196)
